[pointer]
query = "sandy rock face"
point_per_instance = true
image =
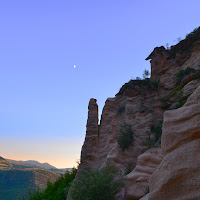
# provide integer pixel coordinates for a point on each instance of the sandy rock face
(145, 197)
(178, 176)
(91, 139)
(141, 104)
(136, 114)
(190, 87)
(137, 182)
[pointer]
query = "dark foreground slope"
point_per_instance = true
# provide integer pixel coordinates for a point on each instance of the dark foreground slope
(14, 183)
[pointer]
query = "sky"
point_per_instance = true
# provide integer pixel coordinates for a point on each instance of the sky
(44, 99)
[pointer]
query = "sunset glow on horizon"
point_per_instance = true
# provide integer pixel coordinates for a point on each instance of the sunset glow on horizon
(55, 152)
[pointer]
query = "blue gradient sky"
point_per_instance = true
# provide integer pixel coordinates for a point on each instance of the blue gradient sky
(43, 104)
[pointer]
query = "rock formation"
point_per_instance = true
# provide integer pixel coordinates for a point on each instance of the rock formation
(140, 105)
(178, 176)
(137, 182)
(91, 139)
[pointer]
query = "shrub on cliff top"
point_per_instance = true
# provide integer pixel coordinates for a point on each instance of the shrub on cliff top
(185, 45)
(146, 74)
(126, 136)
(96, 185)
(140, 84)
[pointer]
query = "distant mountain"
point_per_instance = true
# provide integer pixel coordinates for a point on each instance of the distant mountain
(42, 165)
(36, 164)
(4, 164)
(62, 170)
(21, 164)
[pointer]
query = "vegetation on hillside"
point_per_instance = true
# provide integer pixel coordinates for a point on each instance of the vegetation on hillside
(15, 183)
(120, 109)
(96, 184)
(126, 136)
(184, 73)
(176, 95)
(185, 45)
(140, 84)
(155, 136)
(54, 191)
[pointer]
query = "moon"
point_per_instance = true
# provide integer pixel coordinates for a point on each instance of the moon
(74, 66)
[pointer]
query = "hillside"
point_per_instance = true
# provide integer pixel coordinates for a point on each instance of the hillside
(18, 178)
(150, 129)
(4, 164)
(17, 182)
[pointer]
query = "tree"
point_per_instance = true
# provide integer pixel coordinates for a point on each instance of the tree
(54, 191)
(96, 184)
(146, 74)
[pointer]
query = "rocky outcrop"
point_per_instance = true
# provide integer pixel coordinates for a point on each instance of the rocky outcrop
(91, 139)
(178, 176)
(140, 104)
(138, 112)
(137, 182)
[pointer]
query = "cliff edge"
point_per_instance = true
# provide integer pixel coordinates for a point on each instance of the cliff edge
(166, 155)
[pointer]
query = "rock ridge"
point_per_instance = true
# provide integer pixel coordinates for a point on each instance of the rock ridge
(148, 163)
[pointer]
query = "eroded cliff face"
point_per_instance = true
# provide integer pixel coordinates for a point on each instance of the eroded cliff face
(137, 182)
(178, 175)
(141, 105)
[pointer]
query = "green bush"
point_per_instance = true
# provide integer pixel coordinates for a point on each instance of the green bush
(126, 136)
(144, 84)
(177, 91)
(192, 33)
(54, 191)
(182, 73)
(146, 74)
(157, 131)
(180, 104)
(138, 78)
(120, 109)
(96, 185)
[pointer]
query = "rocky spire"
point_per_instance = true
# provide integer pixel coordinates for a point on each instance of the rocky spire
(92, 122)
(91, 139)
